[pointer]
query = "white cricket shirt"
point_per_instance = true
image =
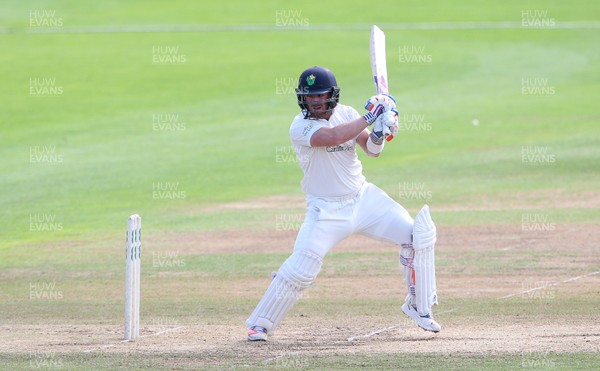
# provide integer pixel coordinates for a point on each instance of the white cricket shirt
(332, 171)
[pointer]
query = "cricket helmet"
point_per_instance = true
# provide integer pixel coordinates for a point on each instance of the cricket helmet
(317, 80)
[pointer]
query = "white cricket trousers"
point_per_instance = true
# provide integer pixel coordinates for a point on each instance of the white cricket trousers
(370, 212)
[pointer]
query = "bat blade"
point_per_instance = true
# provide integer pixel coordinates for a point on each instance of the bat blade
(378, 63)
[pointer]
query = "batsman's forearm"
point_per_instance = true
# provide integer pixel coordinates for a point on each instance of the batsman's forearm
(339, 134)
(351, 129)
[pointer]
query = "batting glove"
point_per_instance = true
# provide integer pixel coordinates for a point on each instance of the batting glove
(386, 126)
(378, 104)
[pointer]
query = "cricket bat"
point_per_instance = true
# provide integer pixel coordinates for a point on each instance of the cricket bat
(378, 63)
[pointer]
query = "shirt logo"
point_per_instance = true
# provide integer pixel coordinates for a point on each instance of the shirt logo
(339, 148)
(307, 129)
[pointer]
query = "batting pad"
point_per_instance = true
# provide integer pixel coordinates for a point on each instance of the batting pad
(424, 237)
(296, 274)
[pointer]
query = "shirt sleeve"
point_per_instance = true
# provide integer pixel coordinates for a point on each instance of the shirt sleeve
(302, 130)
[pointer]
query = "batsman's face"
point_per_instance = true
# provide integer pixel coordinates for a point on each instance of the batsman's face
(318, 106)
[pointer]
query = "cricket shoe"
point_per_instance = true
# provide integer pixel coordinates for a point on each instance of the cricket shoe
(257, 333)
(425, 322)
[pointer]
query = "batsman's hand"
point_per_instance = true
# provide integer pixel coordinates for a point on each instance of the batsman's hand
(378, 104)
(386, 126)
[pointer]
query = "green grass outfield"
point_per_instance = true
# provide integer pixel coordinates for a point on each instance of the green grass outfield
(190, 109)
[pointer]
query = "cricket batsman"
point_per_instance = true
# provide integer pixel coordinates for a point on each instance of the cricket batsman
(340, 202)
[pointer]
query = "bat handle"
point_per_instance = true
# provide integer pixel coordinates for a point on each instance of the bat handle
(389, 138)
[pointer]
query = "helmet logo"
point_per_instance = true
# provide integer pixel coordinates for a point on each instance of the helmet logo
(310, 80)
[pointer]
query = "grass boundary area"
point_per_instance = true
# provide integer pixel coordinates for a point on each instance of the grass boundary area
(291, 359)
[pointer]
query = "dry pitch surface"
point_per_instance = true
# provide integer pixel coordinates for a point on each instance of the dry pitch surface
(526, 294)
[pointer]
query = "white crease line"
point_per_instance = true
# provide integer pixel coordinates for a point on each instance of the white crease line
(549, 285)
(141, 336)
(162, 332)
(381, 331)
(377, 332)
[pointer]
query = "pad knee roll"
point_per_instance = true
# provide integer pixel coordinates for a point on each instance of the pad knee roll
(301, 269)
(424, 231)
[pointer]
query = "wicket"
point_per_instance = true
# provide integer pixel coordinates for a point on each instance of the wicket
(132, 277)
